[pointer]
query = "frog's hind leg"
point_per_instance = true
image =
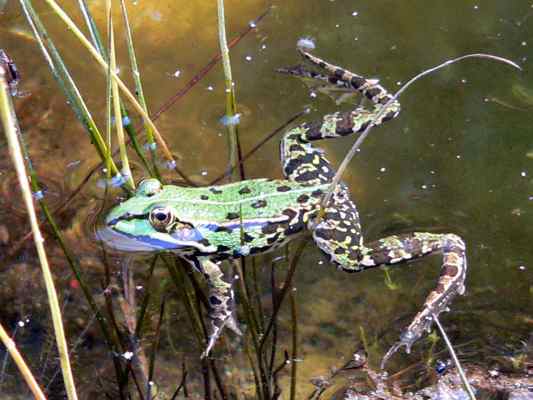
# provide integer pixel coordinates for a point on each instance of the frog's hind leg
(338, 235)
(370, 88)
(305, 163)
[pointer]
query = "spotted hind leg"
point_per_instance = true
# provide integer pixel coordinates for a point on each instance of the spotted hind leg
(304, 163)
(338, 235)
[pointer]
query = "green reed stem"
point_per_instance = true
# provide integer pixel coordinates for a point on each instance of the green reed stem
(11, 347)
(126, 171)
(231, 118)
(294, 355)
(146, 300)
(93, 29)
(103, 64)
(181, 288)
(155, 349)
(97, 43)
(460, 370)
(10, 130)
(139, 87)
(66, 83)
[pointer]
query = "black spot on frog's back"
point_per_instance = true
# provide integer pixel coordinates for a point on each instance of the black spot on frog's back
(215, 190)
(247, 238)
(232, 215)
(245, 190)
(204, 197)
(302, 198)
(283, 188)
(289, 212)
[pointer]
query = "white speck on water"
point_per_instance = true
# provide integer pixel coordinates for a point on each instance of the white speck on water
(524, 43)
(424, 187)
(393, 47)
(210, 88)
(399, 83)
(252, 24)
(128, 355)
(432, 172)
(263, 46)
(203, 173)
(320, 262)
(156, 16)
(139, 287)
(356, 38)
(233, 120)
(21, 324)
(382, 169)
(248, 58)
(337, 25)
(476, 7)
(522, 267)
(176, 73)
(458, 156)
(463, 80)
(312, 95)
(355, 14)
(306, 43)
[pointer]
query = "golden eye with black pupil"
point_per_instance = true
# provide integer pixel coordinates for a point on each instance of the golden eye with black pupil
(162, 218)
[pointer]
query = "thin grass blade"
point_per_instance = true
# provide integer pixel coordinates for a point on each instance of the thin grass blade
(10, 130)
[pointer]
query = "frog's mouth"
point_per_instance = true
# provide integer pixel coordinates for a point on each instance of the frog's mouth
(121, 241)
(136, 234)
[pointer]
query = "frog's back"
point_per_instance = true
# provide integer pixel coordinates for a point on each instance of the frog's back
(246, 217)
(256, 199)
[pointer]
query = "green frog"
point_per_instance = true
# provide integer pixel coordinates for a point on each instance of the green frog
(207, 225)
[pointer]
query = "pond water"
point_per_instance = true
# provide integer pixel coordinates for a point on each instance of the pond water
(458, 159)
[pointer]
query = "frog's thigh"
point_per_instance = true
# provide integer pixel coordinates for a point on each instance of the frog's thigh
(339, 232)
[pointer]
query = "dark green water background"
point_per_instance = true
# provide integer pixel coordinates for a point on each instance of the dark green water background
(459, 159)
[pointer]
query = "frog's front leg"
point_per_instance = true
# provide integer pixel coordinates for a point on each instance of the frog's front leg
(221, 301)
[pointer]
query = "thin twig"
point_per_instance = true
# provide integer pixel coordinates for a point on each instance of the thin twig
(21, 364)
(9, 124)
(384, 109)
(466, 384)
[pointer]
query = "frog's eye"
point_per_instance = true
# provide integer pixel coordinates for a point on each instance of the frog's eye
(149, 187)
(162, 217)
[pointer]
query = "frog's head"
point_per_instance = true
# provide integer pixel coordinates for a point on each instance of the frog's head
(149, 221)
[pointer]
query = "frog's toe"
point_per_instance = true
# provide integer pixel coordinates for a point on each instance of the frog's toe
(407, 340)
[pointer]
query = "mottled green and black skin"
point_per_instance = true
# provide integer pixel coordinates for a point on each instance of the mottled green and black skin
(211, 224)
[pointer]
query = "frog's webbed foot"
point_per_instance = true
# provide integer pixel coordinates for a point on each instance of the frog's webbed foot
(451, 283)
(408, 337)
(221, 303)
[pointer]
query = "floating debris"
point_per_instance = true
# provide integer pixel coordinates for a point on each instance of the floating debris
(227, 120)
(306, 43)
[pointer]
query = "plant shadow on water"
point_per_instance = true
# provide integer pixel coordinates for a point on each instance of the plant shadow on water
(458, 159)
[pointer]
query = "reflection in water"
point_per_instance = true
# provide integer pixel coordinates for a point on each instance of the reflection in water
(451, 162)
